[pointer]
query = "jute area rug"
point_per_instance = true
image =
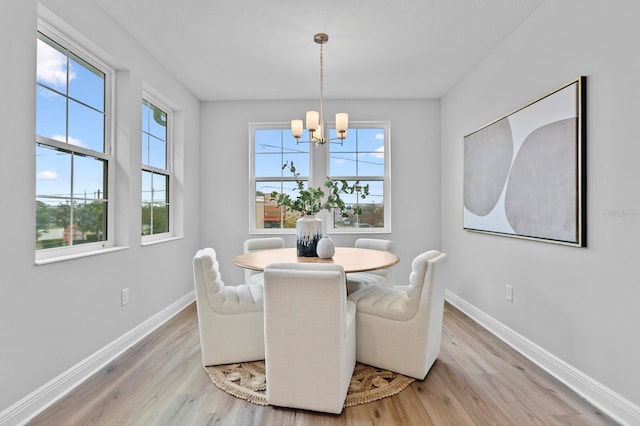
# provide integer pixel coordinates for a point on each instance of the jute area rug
(247, 381)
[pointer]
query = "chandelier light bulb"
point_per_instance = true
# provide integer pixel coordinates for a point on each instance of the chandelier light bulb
(296, 128)
(342, 122)
(313, 120)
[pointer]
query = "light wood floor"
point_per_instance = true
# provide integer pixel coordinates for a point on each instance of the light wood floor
(477, 380)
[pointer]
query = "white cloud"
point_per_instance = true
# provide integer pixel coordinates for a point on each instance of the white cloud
(52, 66)
(71, 141)
(47, 175)
(76, 142)
(338, 162)
(379, 152)
(380, 136)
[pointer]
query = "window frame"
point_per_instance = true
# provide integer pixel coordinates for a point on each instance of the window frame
(108, 156)
(169, 171)
(386, 180)
(319, 160)
(253, 229)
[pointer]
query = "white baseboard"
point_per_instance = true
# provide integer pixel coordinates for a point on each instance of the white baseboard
(609, 402)
(37, 401)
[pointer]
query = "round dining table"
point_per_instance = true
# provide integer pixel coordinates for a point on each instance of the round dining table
(350, 258)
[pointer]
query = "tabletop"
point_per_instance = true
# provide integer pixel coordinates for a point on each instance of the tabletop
(350, 258)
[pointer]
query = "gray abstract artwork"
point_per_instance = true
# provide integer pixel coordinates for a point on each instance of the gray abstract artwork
(522, 173)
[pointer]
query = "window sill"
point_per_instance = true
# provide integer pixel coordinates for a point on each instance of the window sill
(343, 231)
(163, 240)
(272, 231)
(64, 258)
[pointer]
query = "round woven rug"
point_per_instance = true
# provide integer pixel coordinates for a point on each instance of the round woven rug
(247, 381)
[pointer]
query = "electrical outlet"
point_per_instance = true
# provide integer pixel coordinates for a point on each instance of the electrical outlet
(124, 297)
(508, 292)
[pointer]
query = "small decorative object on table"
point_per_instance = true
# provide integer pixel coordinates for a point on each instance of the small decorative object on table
(326, 249)
(310, 201)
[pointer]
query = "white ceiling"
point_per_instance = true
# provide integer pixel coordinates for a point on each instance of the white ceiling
(264, 49)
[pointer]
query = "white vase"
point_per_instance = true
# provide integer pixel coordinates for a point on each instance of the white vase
(325, 249)
(308, 233)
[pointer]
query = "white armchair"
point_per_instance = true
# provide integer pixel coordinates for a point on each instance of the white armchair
(309, 336)
(399, 328)
(358, 280)
(230, 319)
(254, 244)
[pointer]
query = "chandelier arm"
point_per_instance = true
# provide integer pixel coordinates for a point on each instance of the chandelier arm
(317, 141)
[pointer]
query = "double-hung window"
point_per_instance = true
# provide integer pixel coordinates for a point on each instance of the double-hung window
(272, 147)
(156, 170)
(73, 149)
(362, 157)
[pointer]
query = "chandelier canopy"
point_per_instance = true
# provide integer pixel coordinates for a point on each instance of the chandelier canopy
(314, 120)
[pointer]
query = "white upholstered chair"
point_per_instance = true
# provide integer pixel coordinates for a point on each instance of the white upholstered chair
(358, 280)
(399, 328)
(309, 336)
(230, 318)
(254, 244)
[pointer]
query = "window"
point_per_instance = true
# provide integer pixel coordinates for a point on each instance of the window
(272, 146)
(156, 170)
(363, 157)
(73, 149)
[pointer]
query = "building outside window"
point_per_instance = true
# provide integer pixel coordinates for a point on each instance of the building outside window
(73, 149)
(156, 169)
(362, 157)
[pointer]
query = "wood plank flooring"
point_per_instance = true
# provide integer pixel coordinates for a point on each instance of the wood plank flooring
(477, 380)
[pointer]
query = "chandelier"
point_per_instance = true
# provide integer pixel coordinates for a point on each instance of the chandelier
(314, 120)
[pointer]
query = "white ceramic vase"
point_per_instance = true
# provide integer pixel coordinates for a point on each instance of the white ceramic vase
(308, 233)
(325, 249)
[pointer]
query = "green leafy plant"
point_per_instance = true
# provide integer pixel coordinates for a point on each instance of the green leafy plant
(312, 200)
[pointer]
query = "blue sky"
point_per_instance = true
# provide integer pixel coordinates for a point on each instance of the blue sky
(362, 154)
(79, 123)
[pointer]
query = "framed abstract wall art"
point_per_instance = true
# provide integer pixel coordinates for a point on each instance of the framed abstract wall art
(525, 173)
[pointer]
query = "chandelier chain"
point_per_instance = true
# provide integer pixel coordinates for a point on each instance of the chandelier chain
(322, 89)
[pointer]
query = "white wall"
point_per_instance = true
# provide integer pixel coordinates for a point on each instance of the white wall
(579, 304)
(415, 173)
(54, 316)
